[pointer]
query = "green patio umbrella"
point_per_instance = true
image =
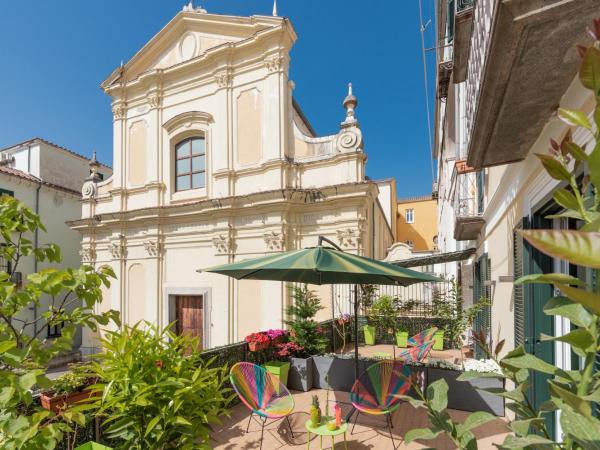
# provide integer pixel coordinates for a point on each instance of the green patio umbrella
(323, 265)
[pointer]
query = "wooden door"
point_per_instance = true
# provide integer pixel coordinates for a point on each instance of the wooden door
(189, 314)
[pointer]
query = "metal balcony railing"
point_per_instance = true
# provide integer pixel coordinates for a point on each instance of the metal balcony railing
(463, 5)
(468, 191)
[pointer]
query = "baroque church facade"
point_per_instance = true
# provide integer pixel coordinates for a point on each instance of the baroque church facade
(214, 162)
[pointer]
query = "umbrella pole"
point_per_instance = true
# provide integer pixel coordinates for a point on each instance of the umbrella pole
(356, 374)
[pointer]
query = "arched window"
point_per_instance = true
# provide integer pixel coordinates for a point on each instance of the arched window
(190, 164)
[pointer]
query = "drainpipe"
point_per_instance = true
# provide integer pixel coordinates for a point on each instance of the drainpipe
(35, 245)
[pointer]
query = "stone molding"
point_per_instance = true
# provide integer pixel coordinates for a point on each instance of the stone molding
(117, 249)
(349, 237)
(88, 254)
(274, 63)
(187, 119)
(119, 110)
(224, 78)
(153, 247)
(223, 244)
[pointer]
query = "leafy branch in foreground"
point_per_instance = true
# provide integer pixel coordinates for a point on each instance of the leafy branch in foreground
(63, 297)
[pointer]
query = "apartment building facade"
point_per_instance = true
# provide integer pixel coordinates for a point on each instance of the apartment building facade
(503, 69)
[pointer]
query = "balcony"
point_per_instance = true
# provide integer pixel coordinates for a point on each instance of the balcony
(468, 202)
(463, 24)
(516, 47)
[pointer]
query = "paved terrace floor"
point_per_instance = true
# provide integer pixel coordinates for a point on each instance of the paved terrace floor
(370, 431)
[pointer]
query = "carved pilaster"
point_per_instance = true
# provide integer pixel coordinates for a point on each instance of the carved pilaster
(349, 237)
(117, 249)
(224, 78)
(274, 63)
(274, 240)
(119, 110)
(153, 247)
(154, 100)
(88, 254)
(223, 244)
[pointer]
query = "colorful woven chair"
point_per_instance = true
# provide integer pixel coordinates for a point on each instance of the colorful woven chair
(376, 390)
(262, 393)
(422, 337)
(416, 354)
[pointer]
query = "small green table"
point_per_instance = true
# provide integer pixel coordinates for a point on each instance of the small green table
(322, 430)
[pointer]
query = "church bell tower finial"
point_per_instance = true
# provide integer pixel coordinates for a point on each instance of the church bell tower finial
(274, 8)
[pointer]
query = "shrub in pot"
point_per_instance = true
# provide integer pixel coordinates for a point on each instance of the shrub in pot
(258, 341)
(385, 311)
(157, 390)
(69, 389)
(305, 334)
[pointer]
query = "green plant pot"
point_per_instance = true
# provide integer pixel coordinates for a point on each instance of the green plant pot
(438, 340)
(280, 369)
(93, 446)
(369, 331)
(402, 338)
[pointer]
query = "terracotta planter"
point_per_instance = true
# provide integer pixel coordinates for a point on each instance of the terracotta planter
(257, 346)
(57, 403)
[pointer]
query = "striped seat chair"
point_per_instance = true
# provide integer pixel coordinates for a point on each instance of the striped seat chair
(263, 393)
(422, 337)
(416, 354)
(376, 391)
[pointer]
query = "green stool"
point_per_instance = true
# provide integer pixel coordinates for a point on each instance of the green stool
(322, 430)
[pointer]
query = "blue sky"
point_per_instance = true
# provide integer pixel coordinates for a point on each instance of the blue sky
(56, 53)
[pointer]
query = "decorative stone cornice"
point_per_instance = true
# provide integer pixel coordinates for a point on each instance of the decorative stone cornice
(349, 237)
(274, 240)
(224, 78)
(187, 119)
(274, 63)
(223, 244)
(153, 247)
(88, 254)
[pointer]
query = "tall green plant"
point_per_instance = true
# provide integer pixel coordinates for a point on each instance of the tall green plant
(573, 392)
(71, 295)
(385, 312)
(157, 390)
(304, 329)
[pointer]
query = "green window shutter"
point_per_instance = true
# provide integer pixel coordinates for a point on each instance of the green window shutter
(518, 294)
(482, 290)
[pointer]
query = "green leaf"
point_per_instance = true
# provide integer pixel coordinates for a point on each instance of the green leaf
(182, 421)
(575, 150)
(584, 430)
(519, 443)
(549, 278)
(574, 118)
(576, 313)
(27, 380)
(566, 199)
(578, 247)
(529, 362)
(589, 72)
(437, 395)
(594, 166)
(573, 400)
(478, 418)
(421, 433)
(580, 340)
(523, 427)
(554, 167)
(586, 298)
(473, 375)
(151, 425)
(7, 345)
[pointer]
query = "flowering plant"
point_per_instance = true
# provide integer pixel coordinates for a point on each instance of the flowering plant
(344, 319)
(289, 349)
(276, 334)
(258, 338)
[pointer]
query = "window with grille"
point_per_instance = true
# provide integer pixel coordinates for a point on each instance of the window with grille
(190, 164)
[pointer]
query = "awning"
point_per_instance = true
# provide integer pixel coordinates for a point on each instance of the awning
(438, 258)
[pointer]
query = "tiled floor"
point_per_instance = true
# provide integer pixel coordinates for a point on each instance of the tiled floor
(370, 431)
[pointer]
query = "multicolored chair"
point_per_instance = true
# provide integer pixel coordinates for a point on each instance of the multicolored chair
(262, 393)
(422, 337)
(416, 354)
(376, 390)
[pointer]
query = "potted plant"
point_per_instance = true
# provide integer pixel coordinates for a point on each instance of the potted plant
(402, 338)
(276, 336)
(258, 341)
(367, 298)
(385, 311)
(304, 332)
(69, 389)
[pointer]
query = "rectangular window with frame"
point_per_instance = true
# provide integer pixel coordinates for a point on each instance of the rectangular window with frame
(55, 331)
(190, 164)
(410, 215)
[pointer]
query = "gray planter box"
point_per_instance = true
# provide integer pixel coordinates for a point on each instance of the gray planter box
(340, 372)
(465, 395)
(300, 377)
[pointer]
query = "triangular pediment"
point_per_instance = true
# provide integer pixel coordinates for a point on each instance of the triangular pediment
(190, 34)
